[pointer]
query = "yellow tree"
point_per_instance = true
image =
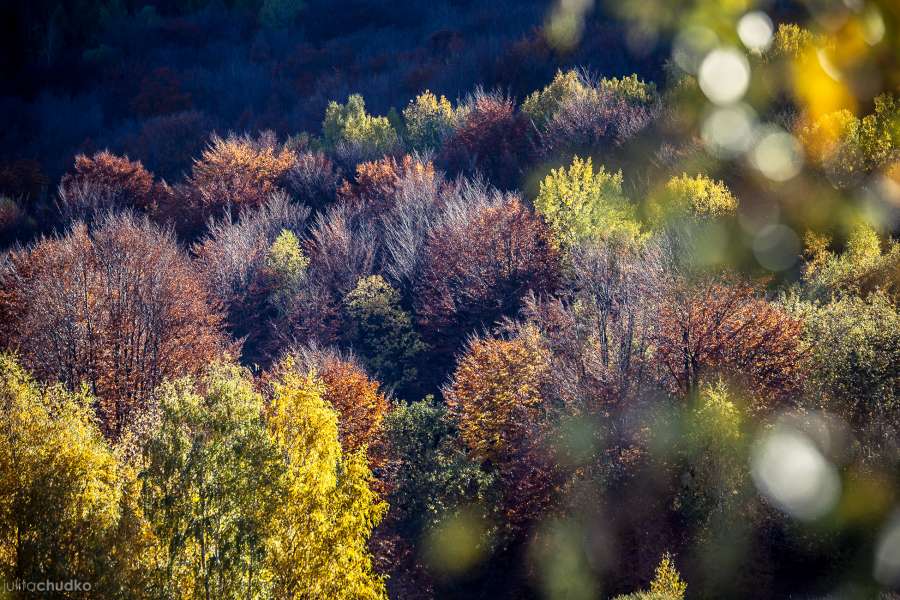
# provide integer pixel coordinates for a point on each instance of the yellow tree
(319, 549)
(580, 203)
(68, 509)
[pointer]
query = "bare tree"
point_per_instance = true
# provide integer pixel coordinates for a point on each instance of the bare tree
(118, 307)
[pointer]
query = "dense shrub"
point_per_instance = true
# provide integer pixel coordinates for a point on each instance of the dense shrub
(542, 105)
(863, 267)
(853, 352)
(848, 147)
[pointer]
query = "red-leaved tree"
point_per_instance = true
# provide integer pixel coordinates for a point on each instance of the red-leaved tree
(118, 307)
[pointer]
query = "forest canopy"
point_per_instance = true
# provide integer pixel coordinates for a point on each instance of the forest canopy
(368, 300)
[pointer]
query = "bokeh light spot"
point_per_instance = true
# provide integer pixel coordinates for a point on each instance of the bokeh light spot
(778, 155)
(456, 544)
(756, 31)
(725, 76)
(887, 555)
(729, 131)
(691, 45)
(776, 247)
(789, 470)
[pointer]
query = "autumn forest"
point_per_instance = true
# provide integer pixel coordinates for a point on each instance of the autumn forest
(529, 299)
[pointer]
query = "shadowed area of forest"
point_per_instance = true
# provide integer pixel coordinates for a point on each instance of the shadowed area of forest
(367, 300)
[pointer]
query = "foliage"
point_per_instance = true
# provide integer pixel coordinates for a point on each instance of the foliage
(666, 585)
(706, 327)
(68, 507)
(342, 247)
(477, 265)
(848, 147)
(692, 197)
(667, 581)
(861, 269)
(212, 480)
(491, 138)
(382, 333)
(360, 404)
(792, 40)
(428, 120)
(246, 495)
(580, 204)
(329, 510)
(495, 394)
(631, 88)
(540, 106)
(105, 181)
(853, 356)
(286, 265)
(431, 475)
(378, 183)
(350, 124)
(593, 120)
(237, 172)
(119, 308)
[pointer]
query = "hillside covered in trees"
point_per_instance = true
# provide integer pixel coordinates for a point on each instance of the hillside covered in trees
(369, 300)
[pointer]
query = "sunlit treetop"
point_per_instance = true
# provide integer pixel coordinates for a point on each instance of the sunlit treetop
(580, 203)
(698, 197)
(428, 120)
(866, 265)
(632, 88)
(540, 105)
(352, 124)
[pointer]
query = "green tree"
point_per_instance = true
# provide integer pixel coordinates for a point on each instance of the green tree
(847, 146)
(631, 88)
(428, 119)
(350, 123)
(580, 203)
(666, 585)
(382, 333)
(863, 266)
(432, 474)
(853, 352)
(286, 265)
(541, 105)
(212, 481)
(691, 197)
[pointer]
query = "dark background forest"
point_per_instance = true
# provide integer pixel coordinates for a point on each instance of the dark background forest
(374, 299)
